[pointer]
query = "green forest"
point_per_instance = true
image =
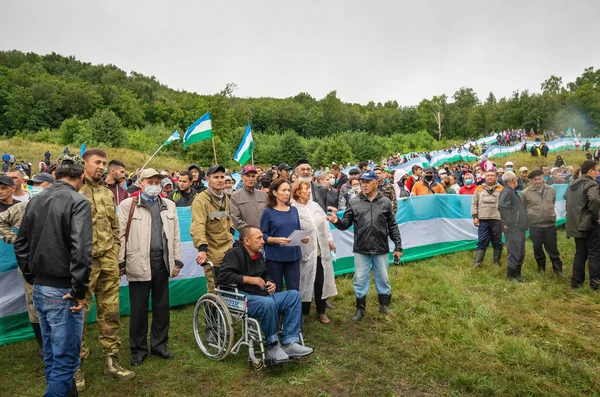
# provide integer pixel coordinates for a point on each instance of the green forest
(58, 99)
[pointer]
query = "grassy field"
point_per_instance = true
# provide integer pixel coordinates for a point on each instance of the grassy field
(455, 331)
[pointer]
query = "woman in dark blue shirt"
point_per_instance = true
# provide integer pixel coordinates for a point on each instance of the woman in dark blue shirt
(277, 222)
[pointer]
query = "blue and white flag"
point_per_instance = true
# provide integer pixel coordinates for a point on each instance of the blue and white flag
(174, 137)
(201, 130)
(244, 152)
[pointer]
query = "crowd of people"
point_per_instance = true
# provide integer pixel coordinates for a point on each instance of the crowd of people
(73, 244)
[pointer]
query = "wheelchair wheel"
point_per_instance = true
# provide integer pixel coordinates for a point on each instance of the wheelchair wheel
(213, 328)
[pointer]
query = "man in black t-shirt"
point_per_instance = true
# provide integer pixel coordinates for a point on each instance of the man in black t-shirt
(7, 189)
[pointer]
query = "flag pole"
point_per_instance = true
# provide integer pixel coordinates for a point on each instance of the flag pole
(214, 150)
(253, 158)
(157, 150)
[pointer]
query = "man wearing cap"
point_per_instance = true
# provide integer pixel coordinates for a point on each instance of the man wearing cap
(374, 224)
(7, 189)
(514, 223)
(428, 185)
(283, 171)
(386, 189)
(353, 174)
(105, 276)
(539, 199)
(229, 182)
(167, 187)
(523, 171)
(509, 166)
(114, 178)
(151, 253)
(197, 184)
(212, 228)
(54, 251)
(583, 206)
(318, 193)
(556, 177)
(247, 203)
(265, 181)
(486, 218)
(184, 195)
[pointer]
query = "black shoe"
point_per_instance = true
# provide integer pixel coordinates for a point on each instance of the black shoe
(162, 354)
(517, 279)
(361, 307)
(560, 274)
(137, 361)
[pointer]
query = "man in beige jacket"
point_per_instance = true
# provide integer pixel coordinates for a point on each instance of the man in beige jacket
(150, 253)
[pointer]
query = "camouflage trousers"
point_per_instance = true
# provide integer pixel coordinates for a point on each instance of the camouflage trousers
(33, 316)
(104, 284)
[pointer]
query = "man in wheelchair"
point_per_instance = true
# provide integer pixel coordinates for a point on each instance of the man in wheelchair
(245, 267)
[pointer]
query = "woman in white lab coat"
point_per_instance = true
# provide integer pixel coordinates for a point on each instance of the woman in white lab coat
(316, 267)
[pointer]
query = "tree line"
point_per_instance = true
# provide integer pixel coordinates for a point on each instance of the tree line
(55, 98)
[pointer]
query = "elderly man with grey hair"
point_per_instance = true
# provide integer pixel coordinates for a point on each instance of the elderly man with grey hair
(514, 220)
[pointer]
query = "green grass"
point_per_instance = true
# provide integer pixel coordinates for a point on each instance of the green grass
(455, 331)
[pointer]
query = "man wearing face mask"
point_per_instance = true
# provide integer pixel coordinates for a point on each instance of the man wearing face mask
(318, 193)
(151, 253)
(427, 186)
(10, 220)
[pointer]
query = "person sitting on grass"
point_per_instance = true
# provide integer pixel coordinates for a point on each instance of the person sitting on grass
(244, 266)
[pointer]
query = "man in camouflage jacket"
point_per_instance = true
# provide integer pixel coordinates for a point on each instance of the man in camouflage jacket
(386, 189)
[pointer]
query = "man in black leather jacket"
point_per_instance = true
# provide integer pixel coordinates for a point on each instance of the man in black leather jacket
(514, 220)
(54, 252)
(373, 219)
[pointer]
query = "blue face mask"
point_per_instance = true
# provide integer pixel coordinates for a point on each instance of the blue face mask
(468, 182)
(35, 190)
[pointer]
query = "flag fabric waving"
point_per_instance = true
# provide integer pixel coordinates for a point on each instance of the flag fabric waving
(201, 130)
(244, 152)
(174, 137)
(82, 149)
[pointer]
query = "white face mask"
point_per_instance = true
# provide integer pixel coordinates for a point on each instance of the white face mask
(152, 190)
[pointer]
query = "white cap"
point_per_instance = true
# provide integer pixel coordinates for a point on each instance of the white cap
(523, 169)
(508, 163)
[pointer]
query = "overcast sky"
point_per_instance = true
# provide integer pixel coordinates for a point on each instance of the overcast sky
(366, 50)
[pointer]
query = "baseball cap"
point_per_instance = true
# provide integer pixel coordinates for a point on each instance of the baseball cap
(214, 169)
(283, 167)
(248, 168)
(368, 176)
(40, 178)
(354, 171)
(428, 169)
(267, 176)
(523, 169)
(165, 182)
(508, 163)
(149, 173)
(71, 162)
(442, 172)
(191, 167)
(228, 177)
(554, 169)
(500, 169)
(6, 180)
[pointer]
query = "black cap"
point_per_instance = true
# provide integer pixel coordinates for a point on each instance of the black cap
(535, 173)
(283, 167)
(354, 171)
(267, 176)
(40, 178)
(215, 168)
(6, 180)
(429, 169)
(301, 161)
(191, 167)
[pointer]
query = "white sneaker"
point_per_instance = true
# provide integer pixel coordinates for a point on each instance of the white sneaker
(296, 350)
(276, 353)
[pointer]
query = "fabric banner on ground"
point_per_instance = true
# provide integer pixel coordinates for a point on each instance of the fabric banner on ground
(430, 226)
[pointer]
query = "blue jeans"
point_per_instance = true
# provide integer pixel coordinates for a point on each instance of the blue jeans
(267, 309)
(362, 274)
(61, 334)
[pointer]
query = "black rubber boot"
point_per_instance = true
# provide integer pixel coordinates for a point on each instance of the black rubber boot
(38, 335)
(514, 275)
(497, 256)
(541, 267)
(384, 304)
(361, 307)
(479, 255)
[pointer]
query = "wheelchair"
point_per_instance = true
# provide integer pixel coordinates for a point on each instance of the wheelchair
(215, 318)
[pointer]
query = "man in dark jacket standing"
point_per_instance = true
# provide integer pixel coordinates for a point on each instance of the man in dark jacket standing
(583, 204)
(374, 221)
(539, 200)
(54, 252)
(340, 177)
(514, 220)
